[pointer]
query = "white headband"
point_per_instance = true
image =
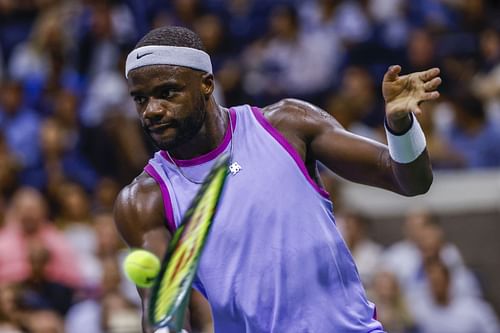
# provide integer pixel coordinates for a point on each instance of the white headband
(168, 55)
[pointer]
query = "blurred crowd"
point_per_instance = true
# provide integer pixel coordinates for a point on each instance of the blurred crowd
(419, 284)
(69, 136)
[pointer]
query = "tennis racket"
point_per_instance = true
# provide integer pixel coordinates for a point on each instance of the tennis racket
(172, 287)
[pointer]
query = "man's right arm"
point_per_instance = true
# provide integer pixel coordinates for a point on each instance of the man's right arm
(140, 220)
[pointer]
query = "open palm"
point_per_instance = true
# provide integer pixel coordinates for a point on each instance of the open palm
(403, 94)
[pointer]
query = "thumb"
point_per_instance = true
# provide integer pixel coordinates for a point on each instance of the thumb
(392, 73)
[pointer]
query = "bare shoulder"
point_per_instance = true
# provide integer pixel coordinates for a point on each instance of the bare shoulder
(138, 209)
(300, 123)
(300, 117)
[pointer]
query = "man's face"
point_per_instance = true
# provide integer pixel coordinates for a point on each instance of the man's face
(30, 212)
(171, 102)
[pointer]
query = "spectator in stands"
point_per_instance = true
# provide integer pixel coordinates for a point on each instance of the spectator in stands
(421, 51)
(113, 140)
(472, 134)
(355, 102)
(403, 257)
(390, 19)
(346, 19)
(10, 315)
(59, 162)
(104, 195)
(111, 311)
(424, 240)
(39, 292)
(19, 124)
(246, 21)
(66, 114)
(434, 15)
(431, 246)
(486, 83)
(444, 312)
(186, 12)
(44, 321)
(73, 217)
(8, 172)
(73, 208)
(212, 33)
(61, 70)
(33, 58)
(42, 62)
(119, 314)
(444, 156)
(108, 242)
(105, 29)
(393, 310)
(290, 62)
(26, 222)
(366, 252)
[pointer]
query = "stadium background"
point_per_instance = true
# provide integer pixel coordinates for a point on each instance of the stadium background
(69, 140)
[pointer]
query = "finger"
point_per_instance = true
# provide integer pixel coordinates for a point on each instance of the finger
(429, 74)
(429, 96)
(392, 73)
(417, 110)
(432, 84)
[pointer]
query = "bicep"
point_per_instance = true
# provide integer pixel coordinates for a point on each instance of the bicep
(140, 220)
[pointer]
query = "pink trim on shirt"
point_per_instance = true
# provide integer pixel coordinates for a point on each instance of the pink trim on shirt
(212, 154)
(167, 203)
(289, 148)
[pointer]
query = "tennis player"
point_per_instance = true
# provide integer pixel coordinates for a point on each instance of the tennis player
(274, 261)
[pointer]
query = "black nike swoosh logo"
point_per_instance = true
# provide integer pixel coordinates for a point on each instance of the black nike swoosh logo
(139, 56)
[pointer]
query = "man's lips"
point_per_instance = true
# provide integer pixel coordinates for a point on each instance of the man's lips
(159, 127)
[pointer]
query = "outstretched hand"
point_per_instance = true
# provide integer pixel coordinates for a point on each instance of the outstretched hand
(403, 94)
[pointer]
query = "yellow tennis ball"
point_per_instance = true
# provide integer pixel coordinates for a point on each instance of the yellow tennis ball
(141, 267)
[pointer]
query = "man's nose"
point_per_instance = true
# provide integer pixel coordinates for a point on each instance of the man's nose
(154, 110)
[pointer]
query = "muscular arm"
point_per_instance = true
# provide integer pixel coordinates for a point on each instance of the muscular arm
(318, 136)
(140, 220)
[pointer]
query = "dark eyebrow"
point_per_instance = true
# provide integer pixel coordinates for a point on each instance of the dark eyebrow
(169, 85)
(160, 87)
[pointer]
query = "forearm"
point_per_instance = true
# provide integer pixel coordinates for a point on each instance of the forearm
(413, 178)
(409, 160)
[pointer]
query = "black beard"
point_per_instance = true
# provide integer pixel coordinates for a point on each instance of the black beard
(187, 129)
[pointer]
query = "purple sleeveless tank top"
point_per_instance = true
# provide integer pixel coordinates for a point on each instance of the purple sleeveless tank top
(274, 260)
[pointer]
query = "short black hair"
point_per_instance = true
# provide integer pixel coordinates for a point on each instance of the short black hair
(172, 36)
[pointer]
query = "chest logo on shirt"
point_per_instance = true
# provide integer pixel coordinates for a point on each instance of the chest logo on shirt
(234, 168)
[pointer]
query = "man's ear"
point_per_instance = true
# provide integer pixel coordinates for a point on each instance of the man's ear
(207, 85)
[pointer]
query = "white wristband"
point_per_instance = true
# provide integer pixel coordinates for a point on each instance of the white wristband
(405, 148)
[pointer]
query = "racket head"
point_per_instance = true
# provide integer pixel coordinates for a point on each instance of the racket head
(172, 287)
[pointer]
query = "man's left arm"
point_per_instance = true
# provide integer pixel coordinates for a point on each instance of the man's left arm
(403, 166)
